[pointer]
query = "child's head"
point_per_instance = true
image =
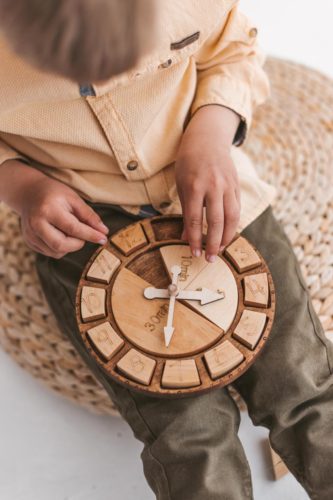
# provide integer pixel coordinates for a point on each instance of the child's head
(84, 40)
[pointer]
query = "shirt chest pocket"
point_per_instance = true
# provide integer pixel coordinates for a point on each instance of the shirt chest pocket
(181, 49)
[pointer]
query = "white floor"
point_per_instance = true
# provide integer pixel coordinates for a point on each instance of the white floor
(53, 450)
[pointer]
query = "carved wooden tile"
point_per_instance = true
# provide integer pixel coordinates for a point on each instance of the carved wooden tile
(137, 366)
(103, 266)
(105, 339)
(250, 327)
(130, 239)
(222, 359)
(180, 373)
(92, 303)
(242, 255)
(256, 290)
(279, 467)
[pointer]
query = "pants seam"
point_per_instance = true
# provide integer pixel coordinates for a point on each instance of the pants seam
(310, 311)
(149, 446)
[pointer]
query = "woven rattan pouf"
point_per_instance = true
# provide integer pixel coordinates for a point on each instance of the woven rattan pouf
(291, 143)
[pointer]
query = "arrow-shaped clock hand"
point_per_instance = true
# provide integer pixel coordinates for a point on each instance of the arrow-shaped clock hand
(172, 291)
(204, 295)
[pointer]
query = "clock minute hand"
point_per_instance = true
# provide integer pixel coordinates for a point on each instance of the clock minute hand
(173, 292)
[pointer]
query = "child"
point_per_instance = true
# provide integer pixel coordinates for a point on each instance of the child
(111, 111)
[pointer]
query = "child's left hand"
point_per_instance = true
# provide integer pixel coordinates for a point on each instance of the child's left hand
(206, 176)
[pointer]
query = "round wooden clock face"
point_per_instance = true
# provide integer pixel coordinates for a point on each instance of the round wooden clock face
(161, 321)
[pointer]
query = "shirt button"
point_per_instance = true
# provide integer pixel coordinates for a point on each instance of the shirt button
(166, 64)
(253, 32)
(132, 165)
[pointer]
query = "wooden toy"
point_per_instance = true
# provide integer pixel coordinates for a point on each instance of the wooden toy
(279, 467)
(160, 321)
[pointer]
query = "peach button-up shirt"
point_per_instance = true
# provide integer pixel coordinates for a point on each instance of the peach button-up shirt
(116, 142)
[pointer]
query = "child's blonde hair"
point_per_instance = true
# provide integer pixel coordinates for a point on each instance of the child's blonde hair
(84, 40)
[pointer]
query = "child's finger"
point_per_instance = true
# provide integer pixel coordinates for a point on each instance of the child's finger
(70, 225)
(56, 240)
(215, 222)
(193, 214)
(231, 217)
(87, 215)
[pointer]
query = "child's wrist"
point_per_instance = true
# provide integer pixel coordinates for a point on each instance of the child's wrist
(217, 122)
(16, 178)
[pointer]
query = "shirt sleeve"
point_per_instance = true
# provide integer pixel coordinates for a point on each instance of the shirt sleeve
(8, 153)
(230, 70)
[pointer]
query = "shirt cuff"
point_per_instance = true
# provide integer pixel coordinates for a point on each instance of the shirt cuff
(230, 93)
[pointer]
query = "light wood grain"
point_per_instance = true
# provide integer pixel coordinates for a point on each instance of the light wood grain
(103, 266)
(92, 303)
(105, 339)
(137, 366)
(250, 328)
(243, 255)
(217, 276)
(142, 320)
(180, 373)
(279, 467)
(197, 273)
(256, 290)
(222, 358)
(130, 239)
(182, 256)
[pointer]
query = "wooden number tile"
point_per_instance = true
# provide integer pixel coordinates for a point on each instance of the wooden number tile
(242, 255)
(182, 256)
(137, 366)
(92, 303)
(105, 339)
(103, 266)
(250, 328)
(222, 358)
(256, 290)
(130, 239)
(180, 373)
(279, 467)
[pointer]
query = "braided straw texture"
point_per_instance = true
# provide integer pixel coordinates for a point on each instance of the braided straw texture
(291, 144)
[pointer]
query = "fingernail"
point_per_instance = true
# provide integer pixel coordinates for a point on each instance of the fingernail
(196, 252)
(103, 241)
(103, 226)
(211, 258)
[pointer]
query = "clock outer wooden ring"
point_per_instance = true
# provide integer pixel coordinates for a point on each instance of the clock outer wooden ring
(158, 230)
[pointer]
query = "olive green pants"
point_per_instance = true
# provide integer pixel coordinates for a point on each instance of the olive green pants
(191, 446)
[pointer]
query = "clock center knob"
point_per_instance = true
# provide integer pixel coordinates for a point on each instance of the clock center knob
(173, 290)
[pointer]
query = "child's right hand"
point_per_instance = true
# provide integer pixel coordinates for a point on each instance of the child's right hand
(55, 220)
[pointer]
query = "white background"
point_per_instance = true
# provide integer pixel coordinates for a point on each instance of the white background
(53, 450)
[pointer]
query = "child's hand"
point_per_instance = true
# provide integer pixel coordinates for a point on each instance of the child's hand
(206, 176)
(55, 220)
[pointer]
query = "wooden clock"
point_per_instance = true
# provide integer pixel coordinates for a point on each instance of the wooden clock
(158, 320)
